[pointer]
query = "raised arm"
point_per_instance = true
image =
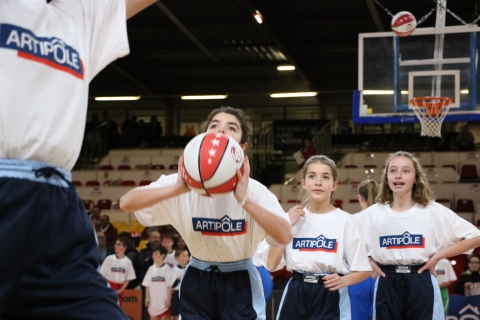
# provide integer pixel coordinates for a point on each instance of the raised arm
(140, 198)
(275, 226)
(135, 6)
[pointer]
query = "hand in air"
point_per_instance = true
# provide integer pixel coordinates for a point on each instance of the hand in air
(242, 184)
(295, 214)
(333, 282)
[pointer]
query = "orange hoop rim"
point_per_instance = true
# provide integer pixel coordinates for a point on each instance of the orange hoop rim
(431, 102)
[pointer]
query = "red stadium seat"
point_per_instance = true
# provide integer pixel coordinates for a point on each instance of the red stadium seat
(128, 183)
(158, 167)
(92, 183)
(77, 183)
(88, 204)
(465, 205)
(106, 167)
(173, 167)
(124, 167)
(468, 173)
(105, 204)
(145, 182)
(337, 203)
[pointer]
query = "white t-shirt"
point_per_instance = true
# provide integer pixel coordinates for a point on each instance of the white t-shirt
(178, 275)
(445, 271)
(214, 229)
(412, 236)
(326, 243)
(49, 53)
(158, 279)
(170, 259)
(117, 270)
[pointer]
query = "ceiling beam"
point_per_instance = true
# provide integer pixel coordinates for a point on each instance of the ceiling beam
(184, 29)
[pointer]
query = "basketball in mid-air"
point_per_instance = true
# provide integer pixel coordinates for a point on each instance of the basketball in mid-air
(210, 164)
(404, 23)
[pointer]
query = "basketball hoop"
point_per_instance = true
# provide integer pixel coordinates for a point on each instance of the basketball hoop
(431, 111)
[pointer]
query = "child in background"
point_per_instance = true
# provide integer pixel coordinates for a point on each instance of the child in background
(406, 233)
(167, 243)
(118, 269)
(361, 294)
(183, 257)
(158, 283)
(326, 254)
(445, 277)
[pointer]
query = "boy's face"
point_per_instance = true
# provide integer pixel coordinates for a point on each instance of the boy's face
(183, 258)
(119, 247)
(167, 244)
(157, 257)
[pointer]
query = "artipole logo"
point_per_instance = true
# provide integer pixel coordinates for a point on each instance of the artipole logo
(119, 270)
(158, 279)
(224, 226)
(52, 52)
(404, 241)
(315, 244)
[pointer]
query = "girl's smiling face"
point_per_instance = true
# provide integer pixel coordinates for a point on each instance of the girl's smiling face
(319, 182)
(401, 175)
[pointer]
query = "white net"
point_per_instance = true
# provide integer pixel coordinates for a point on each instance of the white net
(431, 111)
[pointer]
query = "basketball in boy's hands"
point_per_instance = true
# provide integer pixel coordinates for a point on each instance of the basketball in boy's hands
(210, 164)
(404, 23)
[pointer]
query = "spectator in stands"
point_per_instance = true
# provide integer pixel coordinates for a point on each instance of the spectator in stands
(145, 260)
(154, 131)
(361, 294)
(159, 293)
(132, 254)
(95, 211)
(108, 229)
(118, 269)
(105, 250)
(95, 222)
(344, 127)
(180, 244)
(167, 243)
(308, 151)
(183, 257)
(469, 277)
(464, 139)
(445, 277)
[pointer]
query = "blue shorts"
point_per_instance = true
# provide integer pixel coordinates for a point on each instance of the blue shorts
(212, 290)
(402, 295)
(267, 282)
(307, 298)
(49, 256)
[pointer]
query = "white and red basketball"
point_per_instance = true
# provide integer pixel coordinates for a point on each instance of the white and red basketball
(404, 23)
(210, 164)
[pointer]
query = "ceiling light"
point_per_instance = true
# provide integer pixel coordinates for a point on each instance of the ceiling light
(210, 97)
(286, 68)
(293, 94)
(464, 91)
(119, 98)
(258, 16)
(367, 92)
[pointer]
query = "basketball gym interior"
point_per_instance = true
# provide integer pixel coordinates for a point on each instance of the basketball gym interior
(298, 72)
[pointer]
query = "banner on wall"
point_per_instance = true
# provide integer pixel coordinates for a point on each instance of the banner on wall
(132, 304)
(464, 308)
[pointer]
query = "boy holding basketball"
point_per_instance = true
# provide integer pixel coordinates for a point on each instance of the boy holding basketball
(221, 259)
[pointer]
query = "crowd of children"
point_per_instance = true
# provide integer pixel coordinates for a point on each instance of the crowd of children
(391, 249)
